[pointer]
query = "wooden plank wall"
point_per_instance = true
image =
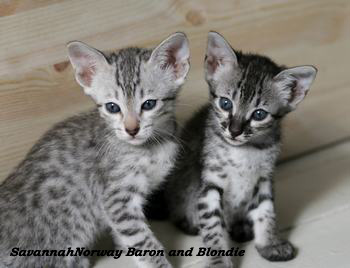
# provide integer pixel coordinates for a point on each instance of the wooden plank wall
(36, 82)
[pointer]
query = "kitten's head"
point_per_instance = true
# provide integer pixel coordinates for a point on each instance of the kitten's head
(250, 93)
(135, 89)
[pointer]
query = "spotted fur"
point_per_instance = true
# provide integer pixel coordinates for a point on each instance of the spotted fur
(87, 173)
(222, 184)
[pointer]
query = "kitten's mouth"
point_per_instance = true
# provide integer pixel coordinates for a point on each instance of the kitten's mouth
(136, 140)
(235, 141)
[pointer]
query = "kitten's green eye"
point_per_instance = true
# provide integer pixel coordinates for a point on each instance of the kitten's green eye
(225, 104)
(149, 105)
(259, 115)
(112, 107)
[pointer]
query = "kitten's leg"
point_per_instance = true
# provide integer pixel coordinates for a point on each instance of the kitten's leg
(124, 209)
(262, 213)
(211, 222)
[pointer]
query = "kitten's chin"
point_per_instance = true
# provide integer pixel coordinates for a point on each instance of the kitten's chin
(136, 141)
(235, 142)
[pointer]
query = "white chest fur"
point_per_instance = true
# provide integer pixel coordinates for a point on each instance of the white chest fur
(245, 166)
(162, 159)
(146, 167)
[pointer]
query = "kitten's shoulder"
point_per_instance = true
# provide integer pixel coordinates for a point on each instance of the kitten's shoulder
(195, 126)
(74, 130)
(79, 122)
(193, 135)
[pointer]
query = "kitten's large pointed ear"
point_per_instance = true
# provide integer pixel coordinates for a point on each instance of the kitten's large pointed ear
(85, 61)
(294, 83)
(220, 57)
(172, 57)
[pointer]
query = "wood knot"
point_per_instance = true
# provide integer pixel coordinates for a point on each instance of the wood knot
(195, 17)
(8, 8)
(61, 66)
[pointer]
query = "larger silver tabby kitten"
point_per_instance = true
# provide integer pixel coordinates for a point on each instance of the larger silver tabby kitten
(95, 170)
(222, 183)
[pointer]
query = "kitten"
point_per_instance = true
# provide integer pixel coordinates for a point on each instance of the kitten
(95, 170)
(222, 183)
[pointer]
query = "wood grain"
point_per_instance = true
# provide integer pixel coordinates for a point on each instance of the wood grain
(10, 7)
(37, 87)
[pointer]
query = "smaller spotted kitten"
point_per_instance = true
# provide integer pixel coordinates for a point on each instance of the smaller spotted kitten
(222, 183)
(94, 171)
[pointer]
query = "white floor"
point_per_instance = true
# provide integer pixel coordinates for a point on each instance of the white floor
(313, 206)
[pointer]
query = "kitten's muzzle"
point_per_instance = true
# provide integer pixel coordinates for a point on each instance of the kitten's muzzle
(132, 125)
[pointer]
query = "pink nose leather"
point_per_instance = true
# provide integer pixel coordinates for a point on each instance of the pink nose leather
(131, 125)
(132, 132)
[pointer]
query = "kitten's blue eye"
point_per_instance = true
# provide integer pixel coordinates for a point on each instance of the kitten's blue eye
(225, 104)
(259, 115)
(112, 107)
(149, 105)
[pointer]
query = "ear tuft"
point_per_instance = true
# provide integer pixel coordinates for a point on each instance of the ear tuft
(294, 83)
(172, 56)
(85, 61)
(219, 57)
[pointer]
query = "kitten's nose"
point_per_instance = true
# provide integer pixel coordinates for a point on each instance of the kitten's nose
(132, 131)
(236, 129)
(236, 133)
(132, 125)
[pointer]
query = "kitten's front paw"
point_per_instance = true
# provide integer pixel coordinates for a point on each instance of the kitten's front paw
(283, 250)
